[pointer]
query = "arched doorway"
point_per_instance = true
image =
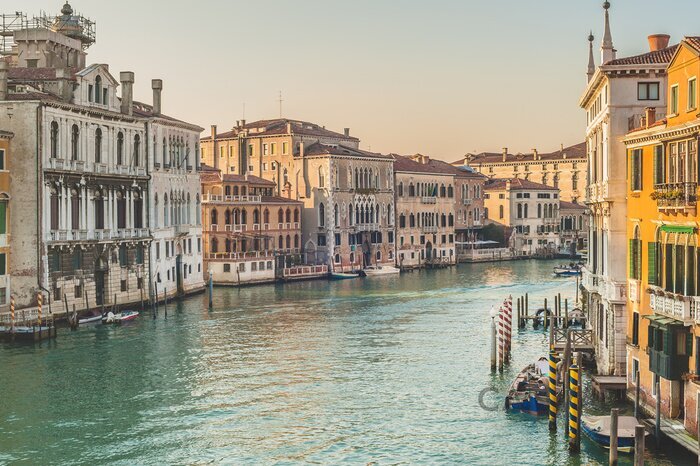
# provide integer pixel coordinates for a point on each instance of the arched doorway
(428, 251)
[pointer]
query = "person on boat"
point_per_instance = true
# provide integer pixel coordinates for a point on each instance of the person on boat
(542, 365)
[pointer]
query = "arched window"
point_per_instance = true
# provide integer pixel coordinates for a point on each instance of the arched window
(296, 215)
(288, 216)
(137, 150)
(280, 242)
(214, 247)
(400, 189)
(74, 142)
(165, 151)
(289, 242)
(235, 190)
(525, 213)
(451, 220)
(214, 217)
(520, 211)
(120, 148)
(227, 217)
(256, 217)
(296, 241)
(54, 139)
(228, 245)
(98, 89)
(280, 216)
(266, 216)
(321, 215)
(350, 215)
(539, 210)
(244, 217)
(336, 216)
(98, 145)
(321, 178)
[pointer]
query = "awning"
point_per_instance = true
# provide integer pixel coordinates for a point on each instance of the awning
(662, 320)
(677, 229)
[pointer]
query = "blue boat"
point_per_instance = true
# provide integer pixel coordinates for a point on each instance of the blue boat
(528, 393)
(597, 428)
(567, 270)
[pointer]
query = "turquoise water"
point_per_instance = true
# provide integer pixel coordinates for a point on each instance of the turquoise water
(383, 370)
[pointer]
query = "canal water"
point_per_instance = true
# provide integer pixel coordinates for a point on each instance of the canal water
(384, 370)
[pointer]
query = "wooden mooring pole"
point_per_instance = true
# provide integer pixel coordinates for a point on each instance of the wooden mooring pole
(657, 420)
(639, 447)
(636, 395)
(165, 302)
(573, 408)
(614, 415)
(552, 391)
(211, 289)
(494, 342)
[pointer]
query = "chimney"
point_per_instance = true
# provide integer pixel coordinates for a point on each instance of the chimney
(127, 80)
(289, 127)
(3, 79)
(650, 116)
(242, 123)
(157, 86)
(301, 149)
(505, 153)
(347, 132)
(534, 154)
(658, 42)
(213, 131)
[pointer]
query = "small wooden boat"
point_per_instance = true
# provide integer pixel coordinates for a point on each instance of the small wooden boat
(343, 275)
(118, 318)
(90, 319)
(570, 270)
(597, 428)
(529, 391)
(375, 270)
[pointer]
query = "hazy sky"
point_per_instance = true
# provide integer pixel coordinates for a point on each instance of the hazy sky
(440, 77)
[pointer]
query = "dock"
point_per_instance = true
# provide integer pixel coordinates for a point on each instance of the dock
(609, 383)
(675, 431)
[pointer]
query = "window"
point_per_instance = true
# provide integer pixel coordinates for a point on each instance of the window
(285, 148)
(3, 264)
(54, 139)
(227, 268)
(648, 91)
(241, 267)
(673, 104)
(137, 150)
(124, 287)
(635, 371)
(635, 328)
(120, 148)
(265, 149)
(3, 217)
(321, 240)
(123, 258)
(321, 215)
(636, 170)
(659, 168)
(500, 211)
(74, 142)
(635, 256)
(692, 93)
(98, 145)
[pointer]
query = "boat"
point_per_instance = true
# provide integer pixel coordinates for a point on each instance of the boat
(118, 318)
(567, 270)
(597, 428)
(529, 393)
(343, 275)
(89, 319)
(373, 270)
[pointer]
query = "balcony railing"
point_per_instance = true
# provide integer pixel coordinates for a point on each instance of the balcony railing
(236, 228)
(223, 198)
(430, 229)
(676, 196)
(467, 201)
(367, 227)
(98, 235)
(238, 256)
(677, 307)
(428, 200)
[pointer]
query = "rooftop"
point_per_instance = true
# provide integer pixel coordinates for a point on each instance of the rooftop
(516, 184)
(210, 174)
(326, 149)
(564, 205)
(279, 127)
(577, 151)
(658, 57)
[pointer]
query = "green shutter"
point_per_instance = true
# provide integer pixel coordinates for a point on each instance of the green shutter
(3, 218)
(631, 258)
(656, 165)
(651, 261)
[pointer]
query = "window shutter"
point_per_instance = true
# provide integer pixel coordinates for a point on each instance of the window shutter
(688, 344)
(656, 165)
(631, 258)
(651, 253)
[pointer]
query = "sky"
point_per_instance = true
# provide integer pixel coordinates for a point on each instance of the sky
(437, 77)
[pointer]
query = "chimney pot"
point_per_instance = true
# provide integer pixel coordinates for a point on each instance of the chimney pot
(505, 153)
(658, 42)
(157, 86)
(347, 132)
(242, 123)
(534, 154)
(127, 84)
(650, 116)
(213, 133)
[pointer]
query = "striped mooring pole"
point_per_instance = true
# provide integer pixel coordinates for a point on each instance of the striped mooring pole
(552, 391)
(39, 300)
(12, 313)
(574, 421)
(508, 326)
(501, 341)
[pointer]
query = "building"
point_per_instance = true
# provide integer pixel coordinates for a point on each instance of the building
(5, 232)
(348, 193)
(663, 264)
(573, 228)
(528, 213)
(615, 98)
(425, 205)
(250, 235)
(564, 169)
(175, 210)
(82, 162)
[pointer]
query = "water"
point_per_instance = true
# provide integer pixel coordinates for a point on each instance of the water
(385, 370)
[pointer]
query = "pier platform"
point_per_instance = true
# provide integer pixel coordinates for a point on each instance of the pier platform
(609, 383)
(675, 431)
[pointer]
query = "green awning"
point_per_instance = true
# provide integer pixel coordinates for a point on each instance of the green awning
(677, 229)
(662, 320)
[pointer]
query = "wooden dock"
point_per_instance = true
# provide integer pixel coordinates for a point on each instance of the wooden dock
(675, 431)
(605, 383)
(581, 339)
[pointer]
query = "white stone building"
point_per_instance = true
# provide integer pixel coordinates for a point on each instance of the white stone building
(615, 98)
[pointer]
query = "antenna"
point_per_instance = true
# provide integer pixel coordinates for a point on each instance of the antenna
(281, 104)
(244, 110)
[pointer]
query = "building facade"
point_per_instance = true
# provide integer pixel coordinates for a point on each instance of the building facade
(663, 266)
(348, 214)
(529, 213)
(573, 228)
(5, 232)
(564, 169)
(615, 98)
(250, 235)
(425, 205)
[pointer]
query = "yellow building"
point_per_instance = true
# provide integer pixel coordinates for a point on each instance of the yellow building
(663, 327)
(5, 138)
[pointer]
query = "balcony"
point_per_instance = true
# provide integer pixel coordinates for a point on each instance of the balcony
(678, 307)
(467, 201)
(429, 229)
(670, 367)
(428, 200)
(236, 228)
(676, 197)
(367, 227)
(207, 198)
(182, 230)
(98, 235)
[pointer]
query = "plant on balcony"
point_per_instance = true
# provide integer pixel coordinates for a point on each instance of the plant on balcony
(655, 195)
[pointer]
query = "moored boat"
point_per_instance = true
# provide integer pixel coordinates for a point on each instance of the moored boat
(528, 393)
(89, 319)
(597, 428)
(373, 270)
(343, 275)
(118, 318)
(567, 270)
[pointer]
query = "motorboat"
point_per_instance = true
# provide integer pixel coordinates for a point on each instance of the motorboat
(597, 428)
(373, 270)
(118, 318)
(570, 270)
(529, 391)
(343, 275)
(90, 319)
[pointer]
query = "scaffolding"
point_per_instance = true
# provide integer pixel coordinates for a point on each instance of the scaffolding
(74, 26)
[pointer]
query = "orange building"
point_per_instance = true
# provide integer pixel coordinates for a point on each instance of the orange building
(249, 235)
(5, 139)
(663, 328)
